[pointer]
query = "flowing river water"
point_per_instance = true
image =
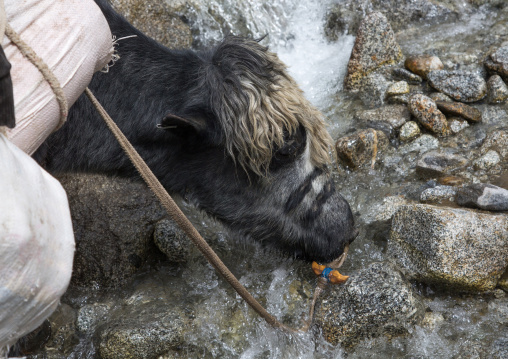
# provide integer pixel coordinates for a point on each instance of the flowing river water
(222, 324)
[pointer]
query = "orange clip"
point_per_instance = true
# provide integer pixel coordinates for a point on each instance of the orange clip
(333, 276)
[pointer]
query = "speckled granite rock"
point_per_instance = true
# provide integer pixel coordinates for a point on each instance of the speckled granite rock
(497, 62)
(172, 241)
(457, 124)
(459, 85)
(496, 89)
(460, 109)
(423, 64)
(438, 194)
(484, 196)
(496, 140)
(450, 248)
(408, 76)
(488, 160)
(375, 301)
(361, 148)
(409, 131)
(394, 115)
(440, 163)
(397, 88)
(427, 113)
(375, 46)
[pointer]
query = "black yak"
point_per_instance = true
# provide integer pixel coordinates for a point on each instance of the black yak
(226, 127)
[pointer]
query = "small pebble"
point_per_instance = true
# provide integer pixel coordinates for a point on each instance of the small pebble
(423, 64)
(459, 85)
(409, 131)
(483, 196)
(488, 160)
(457, 124)
(497, 89)
(427, 113)
(460, 109)
(408, 76)
(397, 88)
(439, 163)
(361, 148)
(438, 194)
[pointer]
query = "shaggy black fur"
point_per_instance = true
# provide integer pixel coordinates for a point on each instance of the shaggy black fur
(148, 83)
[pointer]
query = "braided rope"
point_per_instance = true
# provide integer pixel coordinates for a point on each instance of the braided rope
(48, 75)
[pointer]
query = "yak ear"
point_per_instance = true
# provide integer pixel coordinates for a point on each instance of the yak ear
(179, 123)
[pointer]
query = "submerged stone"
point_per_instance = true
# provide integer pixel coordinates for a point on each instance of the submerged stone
(409, 131)
(484, 196)
(361, 148)
(423, 64)
(450, 248)
(438, 194)
(457, 124)
(497, 89)
(497, 62)
(459, 85)
(460, 109)
(374, 47)
(397, 88)
(439, 163)
(488, 160)
(394, 115)
(496, 140)
(408, 76)
(427, 113)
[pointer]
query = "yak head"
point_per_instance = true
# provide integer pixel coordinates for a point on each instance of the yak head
(256, 153)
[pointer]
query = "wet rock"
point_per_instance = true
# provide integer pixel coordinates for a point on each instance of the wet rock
(373, 90)
(375, 301)
(113, 220)
(440, 163)
(423, 64)
(427, 113)
(422, 144)
(450, 248)
(497, 62)
(374, 47)
(381, 213)
(439, 96)
(431, 320)
(156, 20)
(496, 89)
(460, 109)
(172, 241)
(496, 140)
(484, 196)
(361, 148)
(409, 131)
(342, 20)
(457, 124)
(399, 99)
(32, 342)
(459, 85)
(397, 88)
(394, 115)
(488, 160)
(92, 315)
(503, 281)
(408, 76)
(149, 332)
(438, 194)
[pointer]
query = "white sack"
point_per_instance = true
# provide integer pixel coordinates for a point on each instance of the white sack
(36, 243)
(74, 40)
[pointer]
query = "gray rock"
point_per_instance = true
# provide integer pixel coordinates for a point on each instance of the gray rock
(459, 85)
(375, 46)
(450, 248)
(484, 196)
(373, 90)
(439, 96)
(375, 301)
(156, 20)
(438, 194)
(496, 89)
(172, 241)
(409, 131)
(422, 144)
(342, 20)
(423, 64)
(113, 221)
(427, 113)
(497, 62)
(408, 76)
(147, 333)
(440, 163)
(394, 115)
(397, 88)
(92, 315)
(487, 161)
(399, 99)
(496, 140)
(457, 124)
(361, 148)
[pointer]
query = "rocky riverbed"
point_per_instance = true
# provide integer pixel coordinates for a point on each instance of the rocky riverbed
(420, 119)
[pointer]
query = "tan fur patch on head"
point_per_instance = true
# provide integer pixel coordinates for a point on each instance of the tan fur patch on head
(254, 121)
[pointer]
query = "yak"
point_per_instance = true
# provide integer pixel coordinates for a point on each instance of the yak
(226, 127)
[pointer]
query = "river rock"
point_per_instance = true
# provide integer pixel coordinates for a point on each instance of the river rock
(439, 96)
(457, 124)
(422, 144)
(172, 241)
(460, 109)
(397, 88)
(450, 248)
(497, 62)
(439, 163)
(484, 196)
(394, 115)
(408, 76)
(496, 140)
(459, 85)
(375, 46)
(409, 131)
(487, 161)
(373, 90)
(113, 220)
(148, 332)
(156, 20)
(92, 315)
(375, 301)
(361, 148)
(423, 64)
(496, 89)
(438, 194)
(427, 113)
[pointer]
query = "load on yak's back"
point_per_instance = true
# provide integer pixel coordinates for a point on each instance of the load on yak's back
(36, 237)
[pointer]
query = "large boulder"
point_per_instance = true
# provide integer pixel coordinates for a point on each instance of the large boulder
(450, 248)
(375, 301)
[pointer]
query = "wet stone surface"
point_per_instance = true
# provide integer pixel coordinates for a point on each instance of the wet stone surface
(423, 64)
(438, 194)
(497, 62)
(427, 113)
(408, 76)
(394, 115)
(454, 249)
(440, 163)
(488, 160)
(374, 301)
(460, 109)
(361, 148)
(409, 131)
(398, 88)
(497, 89)
(459, 85)
(172, 241)
(484, 196)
